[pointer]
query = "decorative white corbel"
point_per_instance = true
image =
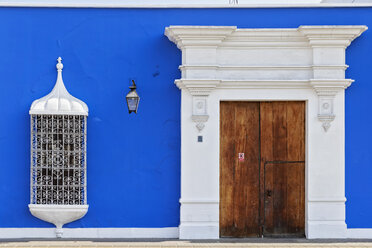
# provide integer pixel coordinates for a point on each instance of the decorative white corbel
(325, 112)
(199, 111)
(328, 45)
(200, 120)
(200, 90)
(326, 91)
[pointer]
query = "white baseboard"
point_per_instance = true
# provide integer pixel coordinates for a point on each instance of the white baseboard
(199, 231)
(326, 230)
(166, 233)
(359, 233)
(17, 233)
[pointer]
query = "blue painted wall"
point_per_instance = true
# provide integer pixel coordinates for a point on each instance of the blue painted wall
(134, 160)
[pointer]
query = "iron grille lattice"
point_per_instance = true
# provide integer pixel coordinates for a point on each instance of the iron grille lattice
(58, 159)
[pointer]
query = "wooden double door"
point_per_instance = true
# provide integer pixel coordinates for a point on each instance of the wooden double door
(262, 169)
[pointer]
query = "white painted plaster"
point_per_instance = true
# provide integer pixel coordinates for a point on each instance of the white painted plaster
(58, 214)
(230, 64)
(359, 233)
(120, 233)
(186, 4)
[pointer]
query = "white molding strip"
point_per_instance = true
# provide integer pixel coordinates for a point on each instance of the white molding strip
(200, 201)
(327, 199)
(202, 84)
(17, 233)
(166, 232)
(359, 233)
(266, 67)
(177, 4)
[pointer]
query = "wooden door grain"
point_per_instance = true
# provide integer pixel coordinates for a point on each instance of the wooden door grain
(265, 193)
(283, 167)
(239, 184)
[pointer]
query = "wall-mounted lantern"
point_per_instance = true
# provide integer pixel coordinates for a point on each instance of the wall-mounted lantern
(132, 98)
(58, 156)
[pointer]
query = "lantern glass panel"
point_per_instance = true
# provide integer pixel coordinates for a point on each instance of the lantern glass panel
(132, 103)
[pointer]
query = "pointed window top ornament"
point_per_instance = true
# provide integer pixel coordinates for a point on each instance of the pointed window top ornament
(59, 101)
(59, 64)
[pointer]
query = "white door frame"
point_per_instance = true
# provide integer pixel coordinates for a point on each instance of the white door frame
(230, 64)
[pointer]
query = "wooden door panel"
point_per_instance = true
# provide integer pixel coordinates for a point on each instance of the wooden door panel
(265, 193)
(227, 140)
(274, 177)
(239, 184)
(296, 175)
(283, 208)
(266, 124)
(283, 211)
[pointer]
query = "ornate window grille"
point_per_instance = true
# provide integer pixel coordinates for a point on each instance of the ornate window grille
(58, 156)
(58, 159)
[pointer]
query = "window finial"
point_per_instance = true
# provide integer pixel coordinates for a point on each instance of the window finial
(59, 65)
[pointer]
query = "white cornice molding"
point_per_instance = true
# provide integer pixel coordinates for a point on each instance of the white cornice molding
(324, 45)
(322, 86)
(205, 86)
(178, 4)
(198, 35)
(334, 36)
(198, 87)
(264, 84)
(266, 67)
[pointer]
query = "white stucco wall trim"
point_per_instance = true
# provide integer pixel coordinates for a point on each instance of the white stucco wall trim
(359, 233)
(185, 4)
(96, 233)
(122, 233)
(231, 64)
